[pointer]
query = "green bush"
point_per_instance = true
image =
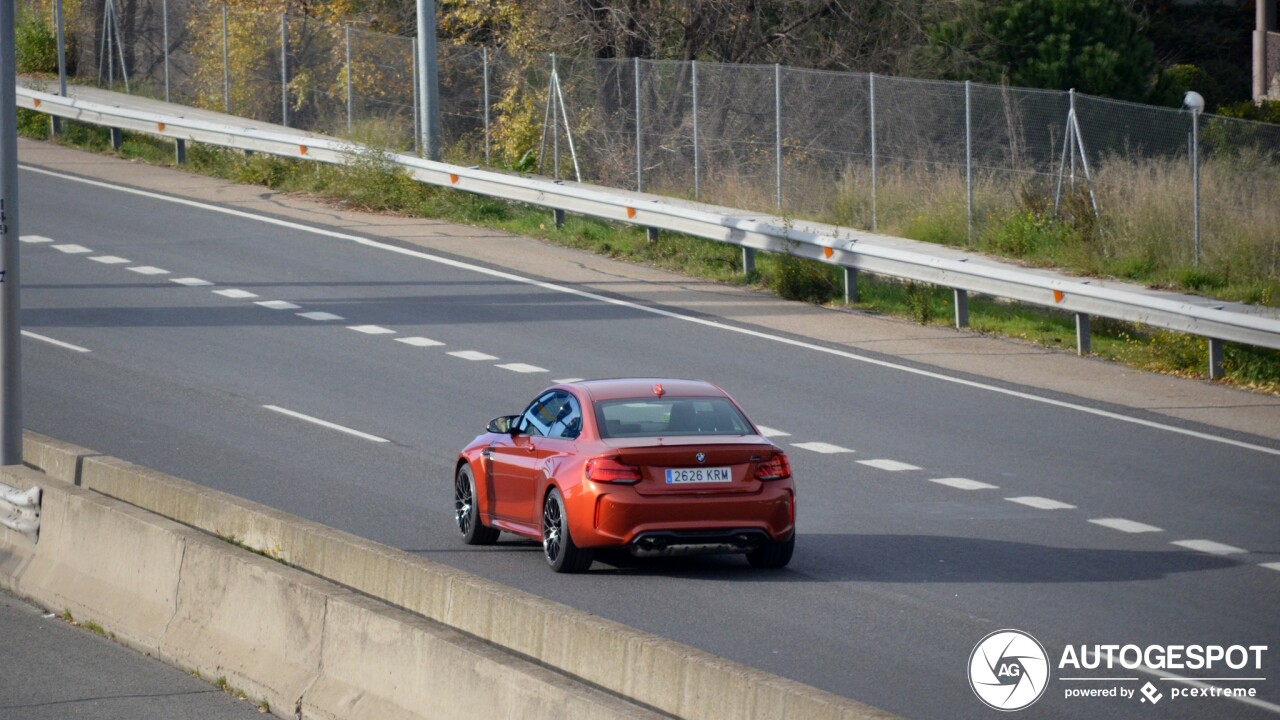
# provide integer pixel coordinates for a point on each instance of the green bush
(796, 278)
(36, 46)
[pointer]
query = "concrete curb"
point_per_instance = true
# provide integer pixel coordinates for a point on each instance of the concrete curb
(661, 674)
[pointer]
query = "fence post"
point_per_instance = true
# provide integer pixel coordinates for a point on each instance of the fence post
(350, 113)
(777, 128)
(555, 125)
(484, 55)
(1195, 182)
(164, 14)
(226, 65)
(417, 128)
(968, 156)
(62, 63)
(635, 65)
(871, 85)
(697, 177)
(284, 70)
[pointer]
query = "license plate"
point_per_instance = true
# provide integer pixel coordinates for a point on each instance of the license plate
(680, 476)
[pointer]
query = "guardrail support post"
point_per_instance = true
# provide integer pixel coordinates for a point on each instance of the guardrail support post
(850, 285)
(559, 216)
(1215, 359)
(962, 307)
(651, 234)
(117, 138)
(180, 151)
(748, 261)
(1083, 344)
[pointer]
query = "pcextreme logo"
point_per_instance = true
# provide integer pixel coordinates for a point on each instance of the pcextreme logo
(1008, 670)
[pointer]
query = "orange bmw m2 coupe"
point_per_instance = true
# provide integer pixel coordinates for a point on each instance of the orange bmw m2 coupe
(660, 467)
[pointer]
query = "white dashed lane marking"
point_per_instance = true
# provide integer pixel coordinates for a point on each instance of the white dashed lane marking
(277, 304)
(1209, 546)
(320, 316)
(964, 483)
(567, 380)
(1271, 566)
(72, 249)
(888, 465)
(419, 341)
(821, 447)
(371, 329)
(472, 355)
(1129, 526)
(235, 294)
(1041, 503)
(325, 423)
(772, 432)
(110, 259)
(148, 270)
(522, 368)
(190, 282)
(35, 239)
(51, 341)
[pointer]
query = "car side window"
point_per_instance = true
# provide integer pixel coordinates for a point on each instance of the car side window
(554, 414)
(568, 421)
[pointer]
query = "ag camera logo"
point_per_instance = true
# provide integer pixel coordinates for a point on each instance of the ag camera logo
(1008, 670)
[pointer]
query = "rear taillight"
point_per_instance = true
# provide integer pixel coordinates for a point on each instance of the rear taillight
(609, 470)
(777, 467)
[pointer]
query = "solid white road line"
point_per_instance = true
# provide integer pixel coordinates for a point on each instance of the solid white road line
(320, 316)
(367, 242)
(1209, 546)
(523, 368)
(235, 294)
(35, 239)
(277, 304)
(371, 329)
(821, 447)
(419, 341)
(190, 282)
(771, 432)
(72, 249)
(964, 483)
(568, 380)
(149, 270)
(1041, 503)
(1129, 526)
(110, 259)
(888, 465)
(472, 355)
(1167, 676)
(51, 341)
(325, 423)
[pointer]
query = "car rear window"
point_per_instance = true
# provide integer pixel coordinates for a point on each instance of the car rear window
(653, 417)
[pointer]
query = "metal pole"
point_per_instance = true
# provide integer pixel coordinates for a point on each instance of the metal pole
(226, 65)
(484, 54)
(349, 105)
(697, 170)
(777, 131)
(968, 155)
(555, 119)
(428, 80)
(417, 107)
(10, 323)
(1195, 182)
(635, 66)
(164, 12)
(62, 61)
(871, 84)
(124, 69)
(1071, 116)
(284, 70)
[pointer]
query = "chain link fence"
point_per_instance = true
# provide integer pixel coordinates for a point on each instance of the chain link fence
(941, 161)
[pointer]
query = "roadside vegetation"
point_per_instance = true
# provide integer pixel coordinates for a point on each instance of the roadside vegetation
(371, 182)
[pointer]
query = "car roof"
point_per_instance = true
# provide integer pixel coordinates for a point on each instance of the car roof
(622, 388)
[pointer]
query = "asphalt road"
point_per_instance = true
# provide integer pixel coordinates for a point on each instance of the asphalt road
(932, 512)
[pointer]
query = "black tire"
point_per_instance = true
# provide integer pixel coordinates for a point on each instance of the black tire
(557, 544)
(773, 555)
(465, 512)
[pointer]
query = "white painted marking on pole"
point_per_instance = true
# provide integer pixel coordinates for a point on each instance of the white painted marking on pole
(1041, 503)
(419, 341)
(325, 423)
(320, 316)
(1209, 546)
(964, 483)
(35, 239)
(277, 304)
(371, 329)
(72, 249)
(235, 294)
(472, 355)
(110, 259)
(367, 242)
(888, 465)
(563, 381)
(149, 270)
(772, 432)
(523, 368)
(821, 447)
(1129, 526)
(1270, 566)
(190, 282)
(51, 341)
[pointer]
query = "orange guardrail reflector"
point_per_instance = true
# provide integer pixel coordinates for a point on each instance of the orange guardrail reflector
(35, 102)
(160, 126)
(826, 252)
(302, 149)
(453, 178)
(1058, 296)
(631, 212)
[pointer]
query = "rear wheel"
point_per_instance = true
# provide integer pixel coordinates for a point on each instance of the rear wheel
(557, 543)
(466, 513)
(773, 555)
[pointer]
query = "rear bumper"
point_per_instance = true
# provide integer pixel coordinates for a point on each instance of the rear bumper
(618, 517)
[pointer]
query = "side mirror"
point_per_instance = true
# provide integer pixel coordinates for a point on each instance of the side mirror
(502, 425)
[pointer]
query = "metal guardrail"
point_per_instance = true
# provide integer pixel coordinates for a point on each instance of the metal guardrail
(20, 510)
(854, 250)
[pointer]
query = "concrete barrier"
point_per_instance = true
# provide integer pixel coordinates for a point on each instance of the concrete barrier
(652, 671)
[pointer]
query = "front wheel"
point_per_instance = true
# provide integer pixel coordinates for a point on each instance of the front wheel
(466, 512)
(773, 555)
(557, 543)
